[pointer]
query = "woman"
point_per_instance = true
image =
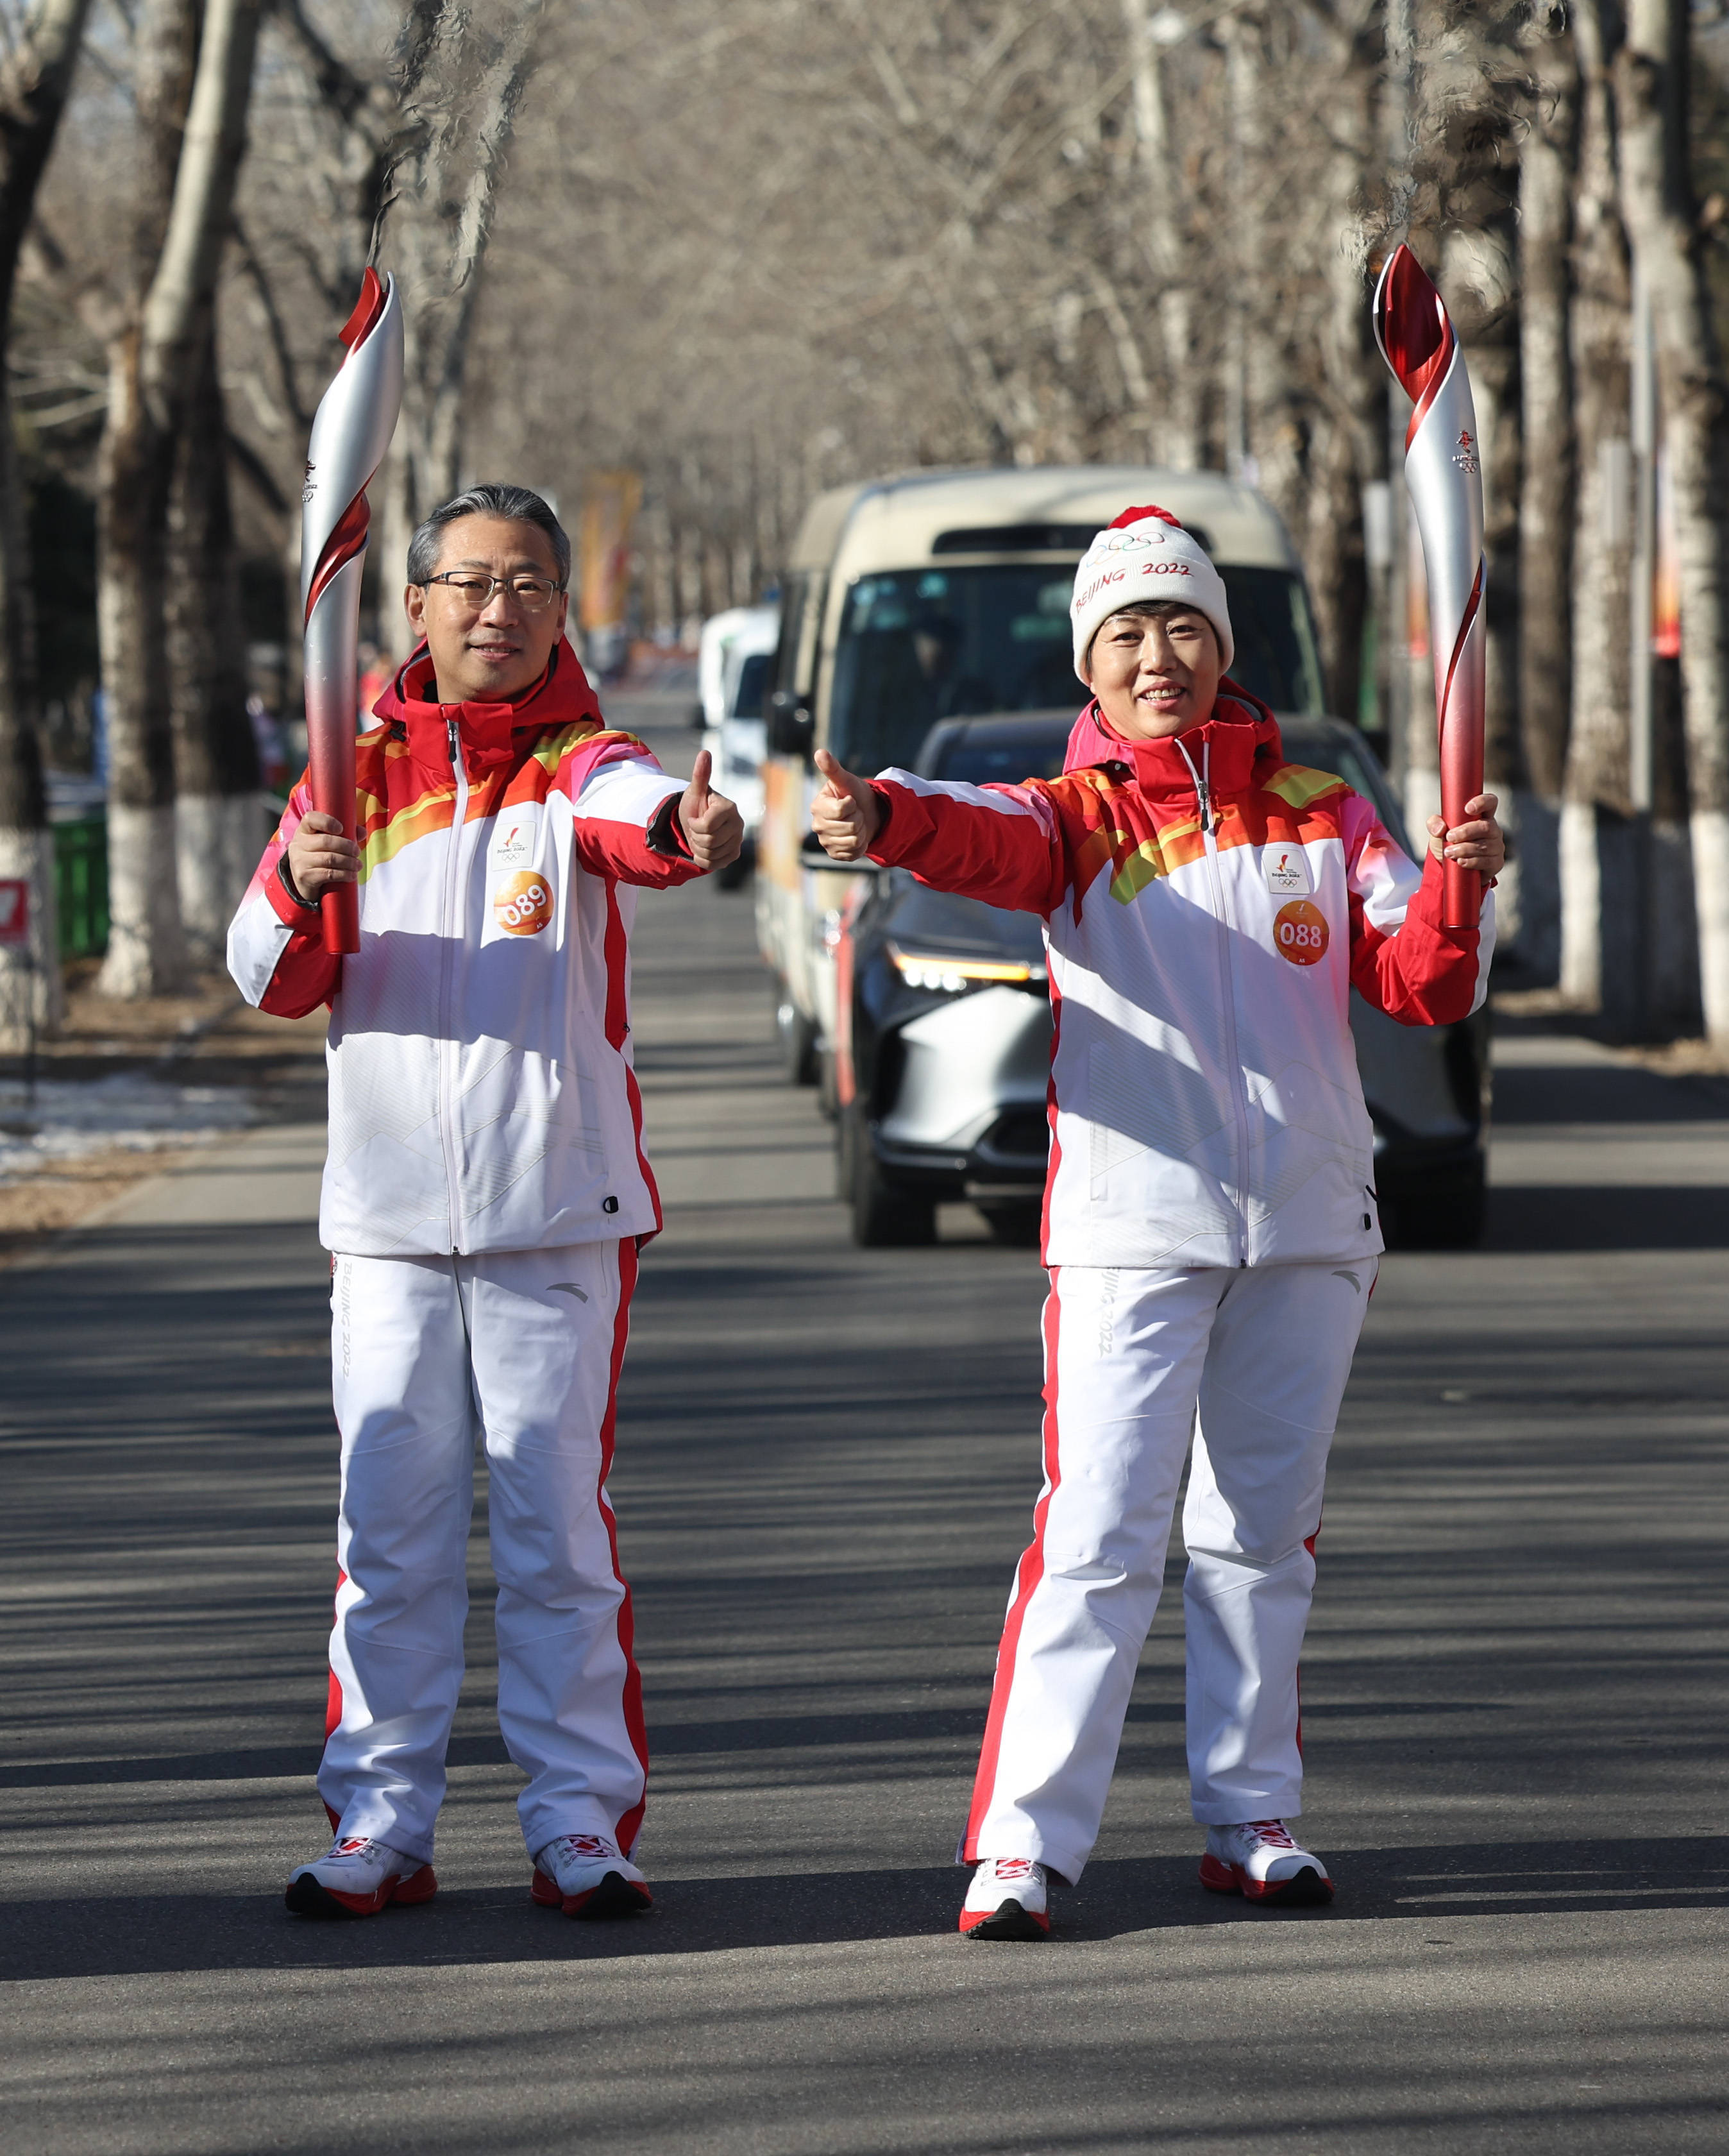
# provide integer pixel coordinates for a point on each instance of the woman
(1210, 1225)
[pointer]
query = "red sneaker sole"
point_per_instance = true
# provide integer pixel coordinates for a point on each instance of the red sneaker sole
(615, 1896)
(307, 1896)
(1308, 1889)
(1008, 1920)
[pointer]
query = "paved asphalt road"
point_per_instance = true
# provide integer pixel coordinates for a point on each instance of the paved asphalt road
(1514, 1701)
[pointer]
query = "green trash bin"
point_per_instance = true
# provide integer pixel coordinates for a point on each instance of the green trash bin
(82, 884)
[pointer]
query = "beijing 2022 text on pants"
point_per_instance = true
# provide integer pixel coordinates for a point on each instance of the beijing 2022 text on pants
(1263, 1351)
(520, 1351)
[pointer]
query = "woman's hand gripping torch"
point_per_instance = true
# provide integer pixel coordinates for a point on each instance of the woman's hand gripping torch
(1444, 473)
(350, 432)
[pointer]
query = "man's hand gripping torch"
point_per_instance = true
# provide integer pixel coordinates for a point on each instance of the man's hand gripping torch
(350, 432)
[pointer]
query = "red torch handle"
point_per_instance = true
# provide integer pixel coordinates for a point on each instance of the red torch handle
(330, 756)
(341, 909)
(1461, 896)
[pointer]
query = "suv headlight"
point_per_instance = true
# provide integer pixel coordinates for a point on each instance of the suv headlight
(937, 971)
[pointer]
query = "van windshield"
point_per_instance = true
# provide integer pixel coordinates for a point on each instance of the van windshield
(917, 645)
(752, 683)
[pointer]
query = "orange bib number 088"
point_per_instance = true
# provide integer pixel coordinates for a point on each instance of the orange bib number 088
(1300, 933)
(522, 904)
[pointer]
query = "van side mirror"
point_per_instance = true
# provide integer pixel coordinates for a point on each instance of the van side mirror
(699, 719)
(792, 726)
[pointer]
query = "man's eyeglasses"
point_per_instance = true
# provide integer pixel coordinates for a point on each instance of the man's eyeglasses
(474, 593)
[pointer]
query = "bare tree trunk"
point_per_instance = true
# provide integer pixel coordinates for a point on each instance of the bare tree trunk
(219, 812)
(151, 372)
(146, 952)
(1351, 447)
(1598, 893)
(398, 513)
(369, 128)
(34, 80)
(1334, 556)
(446, 193)
(1272, 438)
(1656, 198)
(1546, 508)
(1178, 437)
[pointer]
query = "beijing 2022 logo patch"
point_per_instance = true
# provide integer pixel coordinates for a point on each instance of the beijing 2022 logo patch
(1287, 871)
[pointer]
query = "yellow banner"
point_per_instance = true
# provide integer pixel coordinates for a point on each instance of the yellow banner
(610, 501)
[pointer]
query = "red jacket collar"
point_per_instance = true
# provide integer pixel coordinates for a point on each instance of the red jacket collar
(561, 697)
(1241, 730)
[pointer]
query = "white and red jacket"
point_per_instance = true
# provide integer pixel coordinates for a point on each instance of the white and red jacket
(1207, 908)
(481, 1094)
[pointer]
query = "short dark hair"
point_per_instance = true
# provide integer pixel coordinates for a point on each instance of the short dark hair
(516, 505)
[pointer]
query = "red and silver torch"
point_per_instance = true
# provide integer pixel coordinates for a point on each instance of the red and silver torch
(350, 432)
(1444, 475)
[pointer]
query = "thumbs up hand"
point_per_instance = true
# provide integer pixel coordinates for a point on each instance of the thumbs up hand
(846, 813)
(713, 828)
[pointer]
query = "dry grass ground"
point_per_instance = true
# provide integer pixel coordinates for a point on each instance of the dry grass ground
(206, 1037)
(1692, 1058)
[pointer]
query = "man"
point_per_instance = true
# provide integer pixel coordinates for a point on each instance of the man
(484, 1195)
(1209, 1227)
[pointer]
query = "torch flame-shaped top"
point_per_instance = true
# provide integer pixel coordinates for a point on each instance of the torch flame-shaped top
(367, 308)
(350, 432)
(1413, 330)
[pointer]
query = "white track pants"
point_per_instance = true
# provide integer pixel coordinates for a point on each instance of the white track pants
(1263, 1352)
(519, 1351)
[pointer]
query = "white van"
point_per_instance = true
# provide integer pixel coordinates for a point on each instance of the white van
(945, 594)
(733, 663)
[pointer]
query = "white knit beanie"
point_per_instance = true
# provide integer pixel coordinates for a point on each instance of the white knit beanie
(1146, 555)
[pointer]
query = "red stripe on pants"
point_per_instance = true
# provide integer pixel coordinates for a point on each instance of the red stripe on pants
(630, 1825)
(333, 1700)
(1030, 1573)
(1309, 1543)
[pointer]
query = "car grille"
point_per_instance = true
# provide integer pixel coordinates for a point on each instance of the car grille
(1020, 1134)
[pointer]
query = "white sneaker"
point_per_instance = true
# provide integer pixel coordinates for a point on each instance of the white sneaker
(1006, 1900)
(584, 1874)
(1261, 1862)
(357, 1876)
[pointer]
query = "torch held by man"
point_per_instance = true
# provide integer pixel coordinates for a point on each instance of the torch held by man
(350, 432)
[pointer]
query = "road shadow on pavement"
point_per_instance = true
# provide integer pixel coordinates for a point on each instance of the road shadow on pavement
(1533, 1092)
(173, 1933)
(1606, 1217)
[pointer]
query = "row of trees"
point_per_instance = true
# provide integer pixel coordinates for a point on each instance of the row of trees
(753, 252)
(148, 256)
(817, 244)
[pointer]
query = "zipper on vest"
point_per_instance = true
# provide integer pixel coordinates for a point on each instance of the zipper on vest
(447, 929)
(1228, 993)
(1203, 786)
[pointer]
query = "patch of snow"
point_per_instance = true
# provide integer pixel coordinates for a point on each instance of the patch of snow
(72, 1117)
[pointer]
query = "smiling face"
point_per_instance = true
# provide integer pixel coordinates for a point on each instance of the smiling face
(1155, 670)
(491, 656)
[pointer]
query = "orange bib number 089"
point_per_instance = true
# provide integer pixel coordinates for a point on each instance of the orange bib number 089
(1300, 933)
(522, 904)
